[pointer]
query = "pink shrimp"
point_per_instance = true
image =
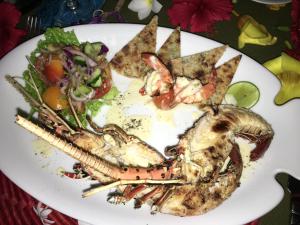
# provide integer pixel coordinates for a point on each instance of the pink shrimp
(167, 92)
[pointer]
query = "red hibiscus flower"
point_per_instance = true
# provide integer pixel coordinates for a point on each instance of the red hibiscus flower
(9, 35)
(295, 30)
(199, 15)
(255, 222)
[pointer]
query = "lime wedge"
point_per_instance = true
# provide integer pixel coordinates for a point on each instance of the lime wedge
(245, 93)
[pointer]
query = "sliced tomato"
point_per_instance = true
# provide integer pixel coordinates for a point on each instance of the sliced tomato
(103, 89)
(54, 70)
(54, 98)
(165, 101)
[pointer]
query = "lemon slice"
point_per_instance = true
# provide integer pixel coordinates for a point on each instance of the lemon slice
(245, 94)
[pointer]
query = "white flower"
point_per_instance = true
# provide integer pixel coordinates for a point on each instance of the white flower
(43, 214)
(144, 7)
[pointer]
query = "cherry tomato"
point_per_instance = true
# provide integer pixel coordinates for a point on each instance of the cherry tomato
(54, 70)
(103, 89)
(54, 98)
(164, 101)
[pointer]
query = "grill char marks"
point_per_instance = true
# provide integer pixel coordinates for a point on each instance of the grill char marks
(221, 126)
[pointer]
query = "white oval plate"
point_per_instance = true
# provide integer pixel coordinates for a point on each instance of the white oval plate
(257, 194)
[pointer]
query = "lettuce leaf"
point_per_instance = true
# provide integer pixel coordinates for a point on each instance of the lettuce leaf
(55, 36)
(70, 119)
(113, 92)
(94, 106)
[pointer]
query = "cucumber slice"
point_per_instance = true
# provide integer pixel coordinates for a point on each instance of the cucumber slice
(94, 76)
(97, 47)
(92, 49)
(97, 82)
(82, 90)
(79, 60)
(245, 94)
(96, 79)
(88, 48)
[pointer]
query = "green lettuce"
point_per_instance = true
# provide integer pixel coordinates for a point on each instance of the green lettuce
(113, 92)
(70, 119)
(55, 36)
(94, 106)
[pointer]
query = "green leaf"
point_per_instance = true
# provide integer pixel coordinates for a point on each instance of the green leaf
(113, 92)
(58, 36)
(94, 106)
(70, 119)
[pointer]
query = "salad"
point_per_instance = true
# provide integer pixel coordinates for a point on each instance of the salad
(70, 73)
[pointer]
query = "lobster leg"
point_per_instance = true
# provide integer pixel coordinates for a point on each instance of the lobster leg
(128, 194)
(111, 129)
(78, 173)
(156, 206)
(139, 202)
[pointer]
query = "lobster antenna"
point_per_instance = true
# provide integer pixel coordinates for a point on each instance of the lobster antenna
(20, 88)
(73, 110)
(32, 80)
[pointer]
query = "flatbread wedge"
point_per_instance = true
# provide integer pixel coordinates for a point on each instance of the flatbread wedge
(128, 60)
(170, 48)
(225, 73)
(197, 65)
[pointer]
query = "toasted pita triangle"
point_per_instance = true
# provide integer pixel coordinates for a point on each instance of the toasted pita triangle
(197, 65)
(128, 60)
(170, 48)
(225, 73)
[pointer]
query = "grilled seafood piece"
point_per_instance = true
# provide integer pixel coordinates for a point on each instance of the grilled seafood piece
(168, 91)
(190, 182)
